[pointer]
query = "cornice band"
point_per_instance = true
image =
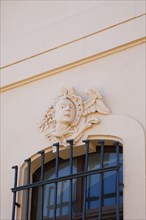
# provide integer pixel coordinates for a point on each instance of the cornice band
(72, 65)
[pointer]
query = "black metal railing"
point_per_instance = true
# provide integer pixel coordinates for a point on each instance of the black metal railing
(99, 213)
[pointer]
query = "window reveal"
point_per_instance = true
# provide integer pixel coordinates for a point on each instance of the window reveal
(92, 182)
(85, 187)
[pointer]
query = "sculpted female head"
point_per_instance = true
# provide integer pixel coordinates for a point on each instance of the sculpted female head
(65, 112)
(64, 115)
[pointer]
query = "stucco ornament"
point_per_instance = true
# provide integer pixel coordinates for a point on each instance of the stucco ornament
(70, 116)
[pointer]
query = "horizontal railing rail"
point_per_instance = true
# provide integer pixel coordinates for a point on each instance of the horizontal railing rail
(67, 177)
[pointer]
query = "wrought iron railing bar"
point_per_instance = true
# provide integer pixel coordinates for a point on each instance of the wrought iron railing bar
(117, 183)
(56, 176)
(67, 177)
(101, 178)
(89, 191)
(28, 161)
(42, 187)
(85, 179)
(70, 180)
(14, 193)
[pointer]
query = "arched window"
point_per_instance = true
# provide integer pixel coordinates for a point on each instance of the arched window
(96, 180)
(114, 128)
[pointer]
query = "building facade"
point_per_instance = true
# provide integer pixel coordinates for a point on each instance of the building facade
(97, 45)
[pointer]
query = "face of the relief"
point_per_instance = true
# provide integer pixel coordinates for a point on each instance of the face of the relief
(65, 112)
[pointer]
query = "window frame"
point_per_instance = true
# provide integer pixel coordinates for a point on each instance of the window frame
(106, 210)
(127, 131)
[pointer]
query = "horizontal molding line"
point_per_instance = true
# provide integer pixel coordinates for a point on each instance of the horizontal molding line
(70, 42)
(72, 65)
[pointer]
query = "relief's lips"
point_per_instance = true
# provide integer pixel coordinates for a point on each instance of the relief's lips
(68, 115)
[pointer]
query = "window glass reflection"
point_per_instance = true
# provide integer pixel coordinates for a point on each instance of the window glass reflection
(109, 181)
(62, 192)
(93, 186)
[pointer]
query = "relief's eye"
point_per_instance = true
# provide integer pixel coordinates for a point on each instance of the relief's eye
(62, 106)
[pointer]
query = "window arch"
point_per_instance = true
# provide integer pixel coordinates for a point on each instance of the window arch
(114, 127)
(107, 160)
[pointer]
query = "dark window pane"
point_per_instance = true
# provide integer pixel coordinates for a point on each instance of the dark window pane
(62, 192)
(92, 190)
(109, 181)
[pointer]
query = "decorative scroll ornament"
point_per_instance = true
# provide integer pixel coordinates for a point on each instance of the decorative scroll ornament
(70, 116)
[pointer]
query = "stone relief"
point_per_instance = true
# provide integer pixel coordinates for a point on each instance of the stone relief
(70, 116)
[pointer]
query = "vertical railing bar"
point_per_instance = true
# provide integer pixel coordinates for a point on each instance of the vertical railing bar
(56, 175)
(28, 161)
(89, 191)
(70, 181)
(101, 142)
(14, 193)
(42, 187)
(85, 178)
(117, 182)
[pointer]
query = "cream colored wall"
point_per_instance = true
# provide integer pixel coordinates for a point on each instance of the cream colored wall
(119, 78)
(119, 75)
(91, 32)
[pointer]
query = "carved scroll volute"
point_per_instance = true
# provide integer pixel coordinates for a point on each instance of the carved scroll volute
(70, 116)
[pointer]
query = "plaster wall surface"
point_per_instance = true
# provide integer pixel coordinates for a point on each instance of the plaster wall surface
(78, 50)
(64, 39)
(119, 76)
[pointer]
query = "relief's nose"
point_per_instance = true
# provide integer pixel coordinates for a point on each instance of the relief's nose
(67, 107)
